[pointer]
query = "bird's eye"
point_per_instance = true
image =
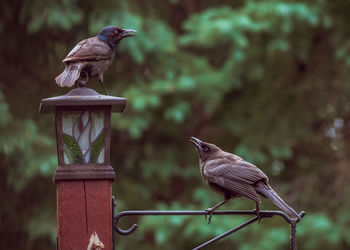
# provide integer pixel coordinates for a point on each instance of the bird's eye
(116, 32)
(205, 148)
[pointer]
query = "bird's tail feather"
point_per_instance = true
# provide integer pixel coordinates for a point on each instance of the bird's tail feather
(70, 74)
(269, 193)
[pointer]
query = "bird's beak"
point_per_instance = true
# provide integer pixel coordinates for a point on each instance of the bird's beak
(127, 33)
(196, 142)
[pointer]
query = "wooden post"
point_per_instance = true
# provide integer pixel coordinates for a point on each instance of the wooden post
(84, 175)
(83, 208)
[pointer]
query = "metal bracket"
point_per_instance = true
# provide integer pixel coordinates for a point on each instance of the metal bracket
(262, 214)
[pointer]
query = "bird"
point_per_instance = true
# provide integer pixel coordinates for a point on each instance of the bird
(233, 177)
(91, 57)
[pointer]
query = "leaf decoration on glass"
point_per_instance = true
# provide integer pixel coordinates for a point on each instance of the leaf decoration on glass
(83, 137)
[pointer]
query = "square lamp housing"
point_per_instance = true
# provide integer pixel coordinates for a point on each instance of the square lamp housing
(83, 132)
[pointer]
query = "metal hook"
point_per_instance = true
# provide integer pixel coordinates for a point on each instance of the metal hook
(122, 231)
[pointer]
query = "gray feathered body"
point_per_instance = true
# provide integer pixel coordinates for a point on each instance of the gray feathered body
(91, 55)
(232, 176)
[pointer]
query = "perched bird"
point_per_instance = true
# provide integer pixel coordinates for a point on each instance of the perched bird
(91, 57)
(231, 176)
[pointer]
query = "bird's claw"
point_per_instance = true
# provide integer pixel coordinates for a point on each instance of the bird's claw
(82, 81)
(210, 212)
(258, 215)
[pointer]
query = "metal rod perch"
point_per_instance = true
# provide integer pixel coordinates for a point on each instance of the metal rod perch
(263, 214)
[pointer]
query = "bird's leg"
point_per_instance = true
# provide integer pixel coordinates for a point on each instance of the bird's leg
(212, 209)
(82, 82)
(257, 211)
(100, 79)
(104, 88)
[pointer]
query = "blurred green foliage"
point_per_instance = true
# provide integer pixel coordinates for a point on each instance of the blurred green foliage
(268, 80)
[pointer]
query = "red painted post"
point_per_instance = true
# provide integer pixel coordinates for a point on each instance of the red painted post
(84, 175)
(83, 207)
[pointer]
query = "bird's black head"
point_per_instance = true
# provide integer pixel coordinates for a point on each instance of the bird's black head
(205, 149)
(113, 35)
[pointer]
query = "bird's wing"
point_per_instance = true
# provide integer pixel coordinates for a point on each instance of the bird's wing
(236, 176)
(91, 49)
(246, 172)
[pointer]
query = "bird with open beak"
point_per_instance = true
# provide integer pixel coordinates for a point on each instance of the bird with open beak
(231, 176)
(91, 57)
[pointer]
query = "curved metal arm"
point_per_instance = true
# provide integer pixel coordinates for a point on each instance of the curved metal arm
(263, 214)
(118, 229)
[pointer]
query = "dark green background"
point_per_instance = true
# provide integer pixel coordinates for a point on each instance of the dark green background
(267, 80)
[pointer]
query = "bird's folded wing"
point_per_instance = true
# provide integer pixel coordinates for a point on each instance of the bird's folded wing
(238, 177)
(91, 49)
(247, 172)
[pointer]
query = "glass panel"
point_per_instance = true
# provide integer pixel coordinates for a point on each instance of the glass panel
(83, 137)
(101, 156)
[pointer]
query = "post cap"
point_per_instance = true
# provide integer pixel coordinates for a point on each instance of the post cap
(82, 97)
